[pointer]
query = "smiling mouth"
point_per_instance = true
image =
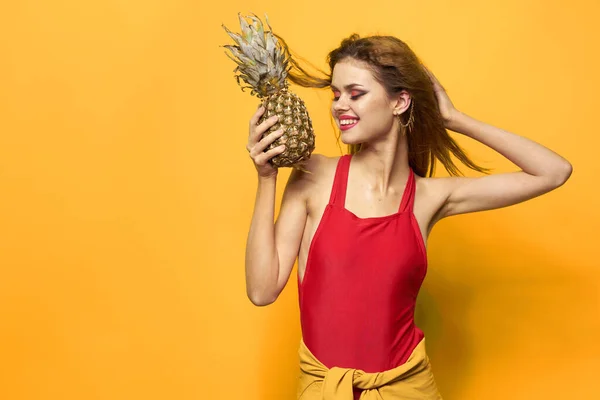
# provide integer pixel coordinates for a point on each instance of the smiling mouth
(346, 124)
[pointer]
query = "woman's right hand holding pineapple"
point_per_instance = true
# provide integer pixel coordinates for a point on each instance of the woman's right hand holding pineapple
(256, 145)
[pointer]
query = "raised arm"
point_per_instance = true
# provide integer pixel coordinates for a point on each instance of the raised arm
(542, 170)
(271, 249)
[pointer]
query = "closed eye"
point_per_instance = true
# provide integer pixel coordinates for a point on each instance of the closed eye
(352, 97)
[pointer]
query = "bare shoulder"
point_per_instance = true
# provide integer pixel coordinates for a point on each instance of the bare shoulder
(311, 184)
(319, 164)
(314, 172)
(434, 188)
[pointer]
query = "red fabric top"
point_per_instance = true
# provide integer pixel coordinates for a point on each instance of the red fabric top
(358, 294)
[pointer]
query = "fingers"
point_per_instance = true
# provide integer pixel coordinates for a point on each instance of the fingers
(428, 71)
(256, 116)
(257, 131)
(258, 142)
(263, 158)
(433, 78)
(260, 147)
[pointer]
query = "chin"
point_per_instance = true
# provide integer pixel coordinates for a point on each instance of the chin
(349, 138)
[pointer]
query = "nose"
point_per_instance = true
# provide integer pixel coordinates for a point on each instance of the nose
(340, 105)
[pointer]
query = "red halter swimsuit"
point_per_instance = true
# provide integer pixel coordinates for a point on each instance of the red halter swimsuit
(357, 297)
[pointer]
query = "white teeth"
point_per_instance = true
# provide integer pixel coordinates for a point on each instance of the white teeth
(348, 121)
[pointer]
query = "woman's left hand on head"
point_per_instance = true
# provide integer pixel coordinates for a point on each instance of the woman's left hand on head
(447, 109)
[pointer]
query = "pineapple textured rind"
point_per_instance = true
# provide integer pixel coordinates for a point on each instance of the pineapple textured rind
(298, 136)
(262, 63)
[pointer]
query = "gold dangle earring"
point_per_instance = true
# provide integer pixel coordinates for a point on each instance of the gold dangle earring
(409, 125)
(411, 119)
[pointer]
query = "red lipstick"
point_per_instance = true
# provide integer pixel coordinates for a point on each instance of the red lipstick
(345, 127)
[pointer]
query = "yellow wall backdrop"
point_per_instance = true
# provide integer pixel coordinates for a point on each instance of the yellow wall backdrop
(126, 195)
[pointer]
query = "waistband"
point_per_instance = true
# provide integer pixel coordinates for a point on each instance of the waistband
(412, 380)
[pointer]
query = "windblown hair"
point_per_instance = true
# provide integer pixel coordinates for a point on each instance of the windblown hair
(397, 68)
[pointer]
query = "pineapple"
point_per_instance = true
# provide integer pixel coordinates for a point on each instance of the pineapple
(263, 65)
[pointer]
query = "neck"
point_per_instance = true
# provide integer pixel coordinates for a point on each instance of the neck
(383, 165)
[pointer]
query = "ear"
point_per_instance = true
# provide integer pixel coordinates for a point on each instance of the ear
(401, 102)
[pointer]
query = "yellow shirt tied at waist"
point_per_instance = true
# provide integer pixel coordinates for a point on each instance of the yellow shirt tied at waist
(412, 380)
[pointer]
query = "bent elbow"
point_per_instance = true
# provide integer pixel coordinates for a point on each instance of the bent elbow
(261, 299)
(565, 173)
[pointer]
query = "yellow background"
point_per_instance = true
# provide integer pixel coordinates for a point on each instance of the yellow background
(126, 195)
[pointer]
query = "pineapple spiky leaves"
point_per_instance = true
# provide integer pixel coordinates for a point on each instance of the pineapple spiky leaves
(262, 66)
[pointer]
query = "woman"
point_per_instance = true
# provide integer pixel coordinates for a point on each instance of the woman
(359, 223)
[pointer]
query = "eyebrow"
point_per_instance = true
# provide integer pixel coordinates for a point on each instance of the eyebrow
(350, 86)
